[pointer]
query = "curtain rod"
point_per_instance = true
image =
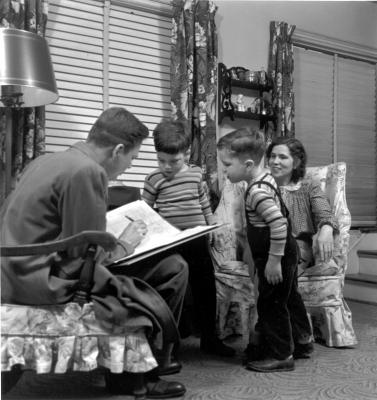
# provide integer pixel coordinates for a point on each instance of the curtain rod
(327, 44)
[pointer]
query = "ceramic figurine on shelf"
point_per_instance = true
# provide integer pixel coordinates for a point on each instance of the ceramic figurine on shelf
(240, 103)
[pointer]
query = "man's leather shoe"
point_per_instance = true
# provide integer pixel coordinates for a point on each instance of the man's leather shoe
(161, 389)
(272, 365)
(153, 388)
(303, 350)
(173, 368)
(216, 347)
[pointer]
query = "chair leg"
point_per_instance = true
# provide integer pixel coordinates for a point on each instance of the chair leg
(10, 378)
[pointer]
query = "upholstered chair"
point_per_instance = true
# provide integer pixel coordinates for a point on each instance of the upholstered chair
(321, 286)
(233, 265)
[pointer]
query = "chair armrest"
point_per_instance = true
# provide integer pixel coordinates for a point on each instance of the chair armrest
(104, 239)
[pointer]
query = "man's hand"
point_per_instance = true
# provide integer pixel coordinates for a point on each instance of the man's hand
(325, 242)
(134, 233)
(273, 272)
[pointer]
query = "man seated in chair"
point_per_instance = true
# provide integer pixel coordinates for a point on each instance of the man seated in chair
(64, 193)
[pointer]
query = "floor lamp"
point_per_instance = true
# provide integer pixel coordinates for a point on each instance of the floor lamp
(26, 79)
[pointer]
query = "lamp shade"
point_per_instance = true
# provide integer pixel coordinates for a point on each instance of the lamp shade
(26, 69)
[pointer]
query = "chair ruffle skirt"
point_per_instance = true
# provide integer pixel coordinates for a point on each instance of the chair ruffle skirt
(55, 339)
(235, 302)
(330, 315)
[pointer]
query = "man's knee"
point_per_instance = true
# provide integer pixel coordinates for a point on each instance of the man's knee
(176, 266)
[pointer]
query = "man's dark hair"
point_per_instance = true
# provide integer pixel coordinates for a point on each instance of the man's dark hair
(171, 137)
(117, 125)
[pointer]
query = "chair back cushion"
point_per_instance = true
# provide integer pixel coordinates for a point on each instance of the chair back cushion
(332, 179)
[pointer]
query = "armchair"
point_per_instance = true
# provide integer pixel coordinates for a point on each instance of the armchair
(58, 338)
(233, 265)
(321, 286)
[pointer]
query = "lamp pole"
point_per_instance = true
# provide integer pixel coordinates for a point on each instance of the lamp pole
(8, 150)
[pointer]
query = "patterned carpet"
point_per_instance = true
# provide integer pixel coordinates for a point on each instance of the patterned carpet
(336, 374)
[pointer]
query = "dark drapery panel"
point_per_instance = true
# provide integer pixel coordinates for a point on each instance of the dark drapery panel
(194, 82)
(28, 123)
(280, 69)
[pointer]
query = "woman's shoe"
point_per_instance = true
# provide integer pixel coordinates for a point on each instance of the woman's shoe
(173, 368)
(253, 352)
(303, 350)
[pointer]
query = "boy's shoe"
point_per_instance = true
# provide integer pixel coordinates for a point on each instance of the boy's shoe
(216, 347)
(253, 352)
(303, 350)
(272, 365)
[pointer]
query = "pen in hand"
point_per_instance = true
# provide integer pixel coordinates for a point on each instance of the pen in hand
(129, 218)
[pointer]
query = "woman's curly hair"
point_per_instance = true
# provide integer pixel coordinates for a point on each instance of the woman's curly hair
(297, 151)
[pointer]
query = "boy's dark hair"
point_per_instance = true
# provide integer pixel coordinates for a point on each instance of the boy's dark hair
(244, 143)
(297, 151)
(117, 125)
(171, 137)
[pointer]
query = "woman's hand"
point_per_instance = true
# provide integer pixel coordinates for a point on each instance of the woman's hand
(325, 242)
(272, 271)
(134, 232)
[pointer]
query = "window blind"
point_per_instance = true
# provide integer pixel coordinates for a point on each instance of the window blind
(335, 117)
(356, 136)
(139, 75)
(313, 89)
(75, 36)
(108, 53)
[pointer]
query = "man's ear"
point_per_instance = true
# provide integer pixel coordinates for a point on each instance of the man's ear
(117, 150)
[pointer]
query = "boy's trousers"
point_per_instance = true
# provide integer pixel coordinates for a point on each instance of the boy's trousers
(282, 318)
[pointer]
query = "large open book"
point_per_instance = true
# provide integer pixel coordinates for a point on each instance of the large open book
(161, 234)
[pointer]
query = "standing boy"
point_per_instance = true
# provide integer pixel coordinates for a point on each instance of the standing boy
(274, 252)
(177, 192)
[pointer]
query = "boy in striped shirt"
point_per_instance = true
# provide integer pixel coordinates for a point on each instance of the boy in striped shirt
(275, 255)
(177, 192)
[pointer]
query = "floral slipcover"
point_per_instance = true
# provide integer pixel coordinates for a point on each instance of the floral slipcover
(321, 286)
(234, 287)
(55, 339)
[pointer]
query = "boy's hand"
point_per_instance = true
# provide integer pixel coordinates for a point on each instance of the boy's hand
(273, 272)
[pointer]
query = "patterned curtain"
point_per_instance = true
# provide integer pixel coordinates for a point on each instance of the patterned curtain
(194, 82)
(280, 70)
(28, 123)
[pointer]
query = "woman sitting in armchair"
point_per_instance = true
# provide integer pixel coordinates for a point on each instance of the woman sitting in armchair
(320, 223)
(313, 223)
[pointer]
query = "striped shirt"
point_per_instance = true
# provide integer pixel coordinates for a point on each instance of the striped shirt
(182, 200)
(263, 209)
